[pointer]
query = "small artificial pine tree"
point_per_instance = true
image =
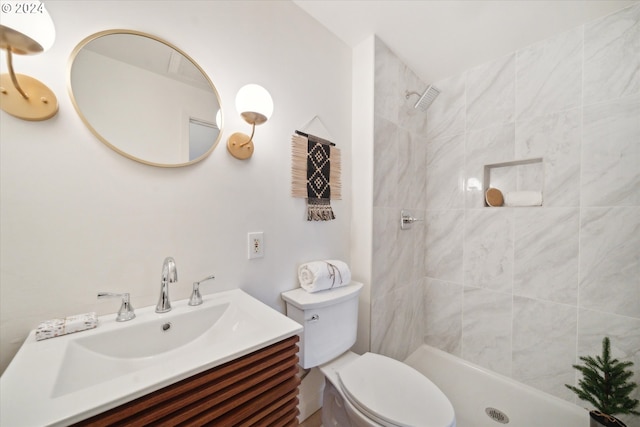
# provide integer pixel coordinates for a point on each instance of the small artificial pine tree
(604, 383)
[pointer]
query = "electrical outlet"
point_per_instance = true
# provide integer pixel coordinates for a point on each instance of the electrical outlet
(256, 244)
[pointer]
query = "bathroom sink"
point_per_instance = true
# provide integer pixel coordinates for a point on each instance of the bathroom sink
(154, 336)
(127, 349)
(75, 376)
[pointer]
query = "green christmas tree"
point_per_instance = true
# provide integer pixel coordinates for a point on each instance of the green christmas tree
(605, 383)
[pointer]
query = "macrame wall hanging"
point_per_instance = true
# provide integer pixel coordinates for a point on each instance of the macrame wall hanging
(315, 171)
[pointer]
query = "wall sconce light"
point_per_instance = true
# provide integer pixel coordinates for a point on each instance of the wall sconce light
(26, 28)
(255, 105)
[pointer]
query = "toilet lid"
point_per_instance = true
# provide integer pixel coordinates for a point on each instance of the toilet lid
(394, 394)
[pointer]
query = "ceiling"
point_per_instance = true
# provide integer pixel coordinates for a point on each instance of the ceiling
(437, 39)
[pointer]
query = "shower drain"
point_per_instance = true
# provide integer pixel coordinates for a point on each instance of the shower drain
(497, 415)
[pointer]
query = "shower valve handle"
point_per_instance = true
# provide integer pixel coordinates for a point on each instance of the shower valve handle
(406, 219)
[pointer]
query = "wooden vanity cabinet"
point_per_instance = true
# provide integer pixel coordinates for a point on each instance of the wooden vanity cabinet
(259, 389)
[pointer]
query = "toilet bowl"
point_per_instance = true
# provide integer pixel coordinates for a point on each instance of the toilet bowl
(375, 390)
(370, 390)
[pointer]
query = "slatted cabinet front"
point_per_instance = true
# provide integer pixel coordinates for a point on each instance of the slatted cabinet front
(259, 389)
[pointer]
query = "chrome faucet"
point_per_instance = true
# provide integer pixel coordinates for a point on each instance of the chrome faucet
(196, 298)
(126, 309)
(169, 275)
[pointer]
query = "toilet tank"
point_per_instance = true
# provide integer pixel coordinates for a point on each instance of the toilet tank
(330, 320)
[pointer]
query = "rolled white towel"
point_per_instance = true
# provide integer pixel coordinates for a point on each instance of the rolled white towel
(523, 198)
(321, 275)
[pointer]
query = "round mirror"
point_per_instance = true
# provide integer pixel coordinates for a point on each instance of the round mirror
(145, 98)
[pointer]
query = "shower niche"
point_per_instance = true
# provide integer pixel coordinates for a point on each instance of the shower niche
(522, 180)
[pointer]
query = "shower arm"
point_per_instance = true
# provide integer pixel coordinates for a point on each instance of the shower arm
(407, 94)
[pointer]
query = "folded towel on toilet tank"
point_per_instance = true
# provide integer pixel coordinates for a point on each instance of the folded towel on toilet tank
(317, 276)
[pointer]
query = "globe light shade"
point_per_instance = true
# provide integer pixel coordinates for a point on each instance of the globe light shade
(254, 104)
(219, 119)
(27, 27)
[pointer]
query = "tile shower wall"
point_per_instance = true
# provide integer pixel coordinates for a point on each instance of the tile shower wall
(521, 291)
(517, 290)
(400, 144)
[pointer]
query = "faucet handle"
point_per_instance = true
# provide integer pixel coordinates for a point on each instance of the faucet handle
(126, 309)
(196, 298)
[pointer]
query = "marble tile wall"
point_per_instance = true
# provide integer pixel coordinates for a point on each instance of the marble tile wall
(534, 280)
(521, 291)
(400, 154)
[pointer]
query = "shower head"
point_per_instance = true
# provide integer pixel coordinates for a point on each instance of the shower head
(426, 98)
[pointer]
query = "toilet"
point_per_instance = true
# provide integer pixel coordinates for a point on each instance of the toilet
(368, 390)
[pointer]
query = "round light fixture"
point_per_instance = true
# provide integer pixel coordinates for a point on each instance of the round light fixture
(255, 105)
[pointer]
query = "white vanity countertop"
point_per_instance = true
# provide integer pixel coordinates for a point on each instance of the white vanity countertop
(59, 381)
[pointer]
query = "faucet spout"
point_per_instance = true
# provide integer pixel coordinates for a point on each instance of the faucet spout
(169, 275)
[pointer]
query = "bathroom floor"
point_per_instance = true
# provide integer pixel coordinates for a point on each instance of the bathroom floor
(315, 420)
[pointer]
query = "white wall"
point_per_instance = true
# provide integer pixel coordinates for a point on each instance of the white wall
(78, 218)
(362, 221)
